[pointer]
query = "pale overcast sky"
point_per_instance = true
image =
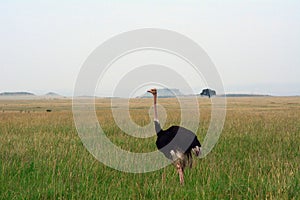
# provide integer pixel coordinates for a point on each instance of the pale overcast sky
(255, 45)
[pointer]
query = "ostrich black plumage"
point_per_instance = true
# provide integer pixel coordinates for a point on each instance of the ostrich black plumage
(176, 143)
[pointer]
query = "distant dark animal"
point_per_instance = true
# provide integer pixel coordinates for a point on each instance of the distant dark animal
(48, 110)
(176, 143)
(208, 92)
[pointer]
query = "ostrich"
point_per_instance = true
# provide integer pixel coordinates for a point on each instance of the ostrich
(176, 143)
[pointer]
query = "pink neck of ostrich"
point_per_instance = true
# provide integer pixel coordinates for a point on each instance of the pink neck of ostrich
(155, 108)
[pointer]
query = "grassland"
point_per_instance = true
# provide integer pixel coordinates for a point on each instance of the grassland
(257, 156)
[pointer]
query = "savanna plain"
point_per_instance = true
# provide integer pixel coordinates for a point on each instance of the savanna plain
(257, 155)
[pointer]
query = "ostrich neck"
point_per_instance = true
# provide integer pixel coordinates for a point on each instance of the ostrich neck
(155, 108)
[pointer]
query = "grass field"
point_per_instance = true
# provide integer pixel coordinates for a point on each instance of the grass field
(256, 157)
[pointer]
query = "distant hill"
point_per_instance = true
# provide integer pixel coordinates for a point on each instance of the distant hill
(245, 95)
(29, 95)
(52, 94)
(17, 94)
(163, 93)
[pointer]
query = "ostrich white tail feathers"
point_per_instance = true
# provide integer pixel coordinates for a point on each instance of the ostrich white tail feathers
(197, 151)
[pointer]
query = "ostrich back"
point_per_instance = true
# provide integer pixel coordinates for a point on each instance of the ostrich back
(176, 138)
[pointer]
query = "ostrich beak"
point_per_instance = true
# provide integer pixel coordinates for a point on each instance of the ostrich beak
(149, 91)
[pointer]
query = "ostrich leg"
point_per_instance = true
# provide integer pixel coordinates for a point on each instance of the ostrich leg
(180, 172)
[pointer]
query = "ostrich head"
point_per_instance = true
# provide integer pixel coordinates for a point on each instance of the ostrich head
(152, 91)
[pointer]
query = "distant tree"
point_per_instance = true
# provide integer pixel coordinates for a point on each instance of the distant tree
(208, 92)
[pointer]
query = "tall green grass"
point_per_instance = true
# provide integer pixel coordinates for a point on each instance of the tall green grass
(257, 156)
